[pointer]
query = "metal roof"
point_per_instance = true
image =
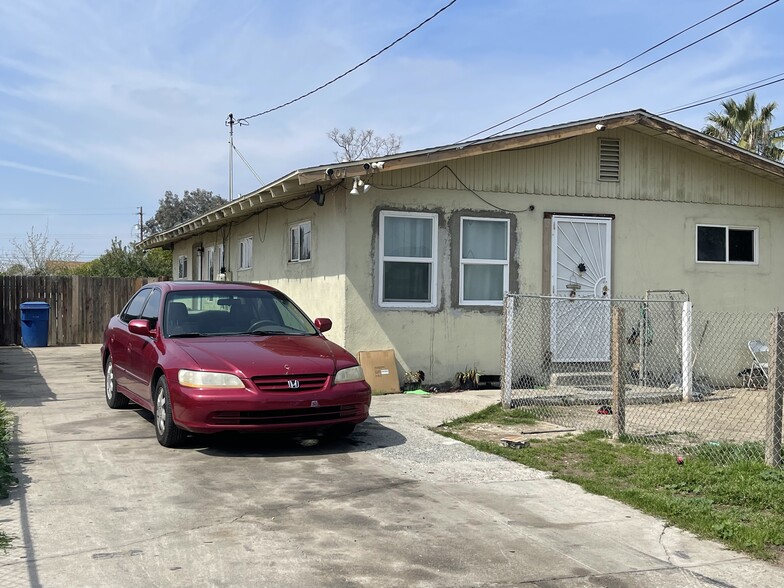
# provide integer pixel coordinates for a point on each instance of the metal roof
(304, 182)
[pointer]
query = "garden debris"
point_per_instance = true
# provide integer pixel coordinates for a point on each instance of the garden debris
(417, 392)
(514, 442)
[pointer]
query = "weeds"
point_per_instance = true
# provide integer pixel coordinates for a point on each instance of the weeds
(7, 478)
(739, 504)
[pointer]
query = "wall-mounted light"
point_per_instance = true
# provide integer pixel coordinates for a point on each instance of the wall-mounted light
(359, 185)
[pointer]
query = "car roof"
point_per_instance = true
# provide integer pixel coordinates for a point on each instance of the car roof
(180, 285)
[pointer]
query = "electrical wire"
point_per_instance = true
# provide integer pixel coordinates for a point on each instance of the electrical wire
(245, 161)
(356, 67)
(459, 181)
(604, 73)
(729, 94)
(607, 85)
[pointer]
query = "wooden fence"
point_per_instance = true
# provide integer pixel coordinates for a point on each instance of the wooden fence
(79, 307)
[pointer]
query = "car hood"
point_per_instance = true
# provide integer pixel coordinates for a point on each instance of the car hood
(265, 355)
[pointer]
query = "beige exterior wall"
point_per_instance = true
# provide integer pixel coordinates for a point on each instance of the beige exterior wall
(664, 192)
(317, 286)
(653, 245)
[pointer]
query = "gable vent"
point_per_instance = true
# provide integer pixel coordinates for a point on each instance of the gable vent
(609, 160)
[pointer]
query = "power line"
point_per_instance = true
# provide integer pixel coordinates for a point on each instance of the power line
(728, 94)
(625, 76)
(604, 73)
(356, 67)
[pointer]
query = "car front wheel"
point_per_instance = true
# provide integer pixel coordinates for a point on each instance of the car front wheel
(113, 398)
(168, 434)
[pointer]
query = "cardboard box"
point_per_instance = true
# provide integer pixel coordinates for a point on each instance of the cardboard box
(380, 370)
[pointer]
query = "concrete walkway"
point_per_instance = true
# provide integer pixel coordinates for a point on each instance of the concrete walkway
(100, 503)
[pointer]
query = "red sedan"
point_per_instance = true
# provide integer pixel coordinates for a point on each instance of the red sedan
(216, 356)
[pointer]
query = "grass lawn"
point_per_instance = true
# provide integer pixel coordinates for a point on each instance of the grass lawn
(741, 505)
(7, 478)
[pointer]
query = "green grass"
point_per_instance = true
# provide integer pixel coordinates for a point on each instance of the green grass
(739, 504)
(7, 478)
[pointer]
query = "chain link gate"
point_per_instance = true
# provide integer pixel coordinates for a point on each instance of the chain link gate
(650, 370)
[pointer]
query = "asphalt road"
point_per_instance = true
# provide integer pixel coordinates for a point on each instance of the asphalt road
(100, 503)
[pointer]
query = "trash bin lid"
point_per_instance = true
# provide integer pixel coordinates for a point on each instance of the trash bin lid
(34, 306)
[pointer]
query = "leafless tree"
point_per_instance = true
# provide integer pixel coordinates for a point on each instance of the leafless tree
(354, 145)
(39, 255)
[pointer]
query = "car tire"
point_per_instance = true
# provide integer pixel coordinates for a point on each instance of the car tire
(168, 434)
(113, 398)
(340, 431)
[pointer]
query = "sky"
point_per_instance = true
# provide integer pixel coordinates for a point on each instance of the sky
(106, 105)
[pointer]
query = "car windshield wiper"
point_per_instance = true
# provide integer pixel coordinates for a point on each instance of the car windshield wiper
(184, 335)
(264, 332)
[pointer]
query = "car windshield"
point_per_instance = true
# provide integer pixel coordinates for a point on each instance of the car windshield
(220, 312)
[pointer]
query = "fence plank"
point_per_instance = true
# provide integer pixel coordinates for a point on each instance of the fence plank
(80, 306)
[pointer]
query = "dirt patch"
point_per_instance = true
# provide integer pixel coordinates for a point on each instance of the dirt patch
(493, 433)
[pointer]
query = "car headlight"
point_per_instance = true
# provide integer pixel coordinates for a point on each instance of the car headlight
(352, 374)
(194, 379)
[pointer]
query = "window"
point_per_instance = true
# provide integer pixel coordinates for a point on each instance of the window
(407, 254)
(299, 242)
(723, 244)
(484, 260)
(210, 254)
(152, 308)
(182, 266)
(134, 308)
(246, 253)
(221, 260)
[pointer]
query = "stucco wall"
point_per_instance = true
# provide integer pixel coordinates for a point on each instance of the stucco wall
(317, 286)
(653, 247)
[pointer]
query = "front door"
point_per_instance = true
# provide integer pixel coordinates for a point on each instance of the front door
(580, 278)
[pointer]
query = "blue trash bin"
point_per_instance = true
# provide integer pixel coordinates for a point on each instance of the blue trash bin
(35, 324)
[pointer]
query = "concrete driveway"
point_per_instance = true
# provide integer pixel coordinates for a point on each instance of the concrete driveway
(100, 503)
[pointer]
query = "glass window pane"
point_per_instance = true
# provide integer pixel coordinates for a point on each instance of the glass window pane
(741, 245)
(484, 239)
(408, 237)
(305, 242)
(483, 282)
(711, 243)
(136, 305)
(152, 307)
(406, 282)
(294, 245)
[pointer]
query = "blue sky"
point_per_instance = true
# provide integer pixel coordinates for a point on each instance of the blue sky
(106, 105)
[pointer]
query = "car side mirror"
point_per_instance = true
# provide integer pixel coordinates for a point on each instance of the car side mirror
(323, 324)
(141, 327)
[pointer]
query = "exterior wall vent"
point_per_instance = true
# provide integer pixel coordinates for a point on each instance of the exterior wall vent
(609, 160)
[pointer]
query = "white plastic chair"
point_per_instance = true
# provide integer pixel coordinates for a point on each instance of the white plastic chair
(758, 374)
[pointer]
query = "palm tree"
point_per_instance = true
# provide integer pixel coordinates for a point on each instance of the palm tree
(742, 125)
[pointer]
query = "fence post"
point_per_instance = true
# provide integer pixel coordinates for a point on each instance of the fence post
(775, 390)
(687, 359)
(506, 378)
(618, 372)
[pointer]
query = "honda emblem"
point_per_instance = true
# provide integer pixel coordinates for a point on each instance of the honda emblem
(293, 384)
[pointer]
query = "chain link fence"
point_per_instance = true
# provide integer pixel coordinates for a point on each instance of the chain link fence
(650, 370)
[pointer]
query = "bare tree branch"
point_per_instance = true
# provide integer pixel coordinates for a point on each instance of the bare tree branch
(39, 255)
(354, 145)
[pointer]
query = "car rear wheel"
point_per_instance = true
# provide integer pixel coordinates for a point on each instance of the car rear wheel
(113, 398)
(168, 434)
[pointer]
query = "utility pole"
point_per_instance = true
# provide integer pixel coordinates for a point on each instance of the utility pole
(141, 224)
(230, 123)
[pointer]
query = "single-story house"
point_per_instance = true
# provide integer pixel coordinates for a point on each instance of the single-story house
(414, 252)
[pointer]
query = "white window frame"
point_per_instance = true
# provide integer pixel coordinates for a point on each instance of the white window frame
(295, 234)
(209, 257)
(433, 260)
(465, 262)
(182, 267)
(245, 253)
(727, 229)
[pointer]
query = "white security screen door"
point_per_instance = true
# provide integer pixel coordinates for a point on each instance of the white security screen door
(580, 270)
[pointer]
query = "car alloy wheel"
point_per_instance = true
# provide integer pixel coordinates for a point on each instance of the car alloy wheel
(113, 398)
(168, 434)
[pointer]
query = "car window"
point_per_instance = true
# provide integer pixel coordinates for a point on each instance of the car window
(134, 308)
(152, 307)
